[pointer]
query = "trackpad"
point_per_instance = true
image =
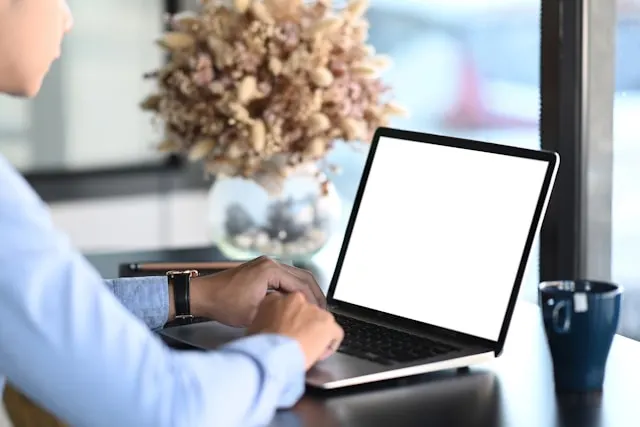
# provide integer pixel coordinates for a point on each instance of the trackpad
(340, 366)
(206, 335)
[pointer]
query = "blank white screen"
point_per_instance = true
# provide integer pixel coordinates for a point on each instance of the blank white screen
(440, 234)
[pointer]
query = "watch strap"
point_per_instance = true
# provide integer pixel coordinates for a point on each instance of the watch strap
(180, 281)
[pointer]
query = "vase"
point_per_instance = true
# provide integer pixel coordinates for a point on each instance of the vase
(293, 223)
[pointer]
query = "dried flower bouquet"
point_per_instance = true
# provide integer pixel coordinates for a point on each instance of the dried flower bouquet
(262, 86)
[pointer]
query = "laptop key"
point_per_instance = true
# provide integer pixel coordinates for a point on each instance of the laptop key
(384, 345)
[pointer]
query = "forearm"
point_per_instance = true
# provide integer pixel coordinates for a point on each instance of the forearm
(76, 351)
(67, 343)
(151, 298)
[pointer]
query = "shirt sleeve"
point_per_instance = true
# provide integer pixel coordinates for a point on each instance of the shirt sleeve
(73, 348)
(146, 297)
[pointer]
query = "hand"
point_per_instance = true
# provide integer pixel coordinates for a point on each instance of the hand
(233, 296)
(314, 328)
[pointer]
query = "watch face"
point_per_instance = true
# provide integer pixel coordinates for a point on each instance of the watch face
(190, 273)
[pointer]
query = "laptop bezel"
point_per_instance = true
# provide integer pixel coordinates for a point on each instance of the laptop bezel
(497, 346)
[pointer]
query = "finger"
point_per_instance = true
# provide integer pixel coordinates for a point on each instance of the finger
(330, 351)
(271, 298)
(334, 344)
(310, 281)
(338, 337)
(327, 353)
(282, 280)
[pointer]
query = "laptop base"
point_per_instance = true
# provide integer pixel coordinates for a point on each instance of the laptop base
(339, 370)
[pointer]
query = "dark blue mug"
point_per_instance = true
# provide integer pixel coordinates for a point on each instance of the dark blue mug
(580, 321)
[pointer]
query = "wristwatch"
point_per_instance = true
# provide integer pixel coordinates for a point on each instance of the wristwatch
(180, 281)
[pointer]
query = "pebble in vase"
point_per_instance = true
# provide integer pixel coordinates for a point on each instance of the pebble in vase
(288, 231)
(247, 221)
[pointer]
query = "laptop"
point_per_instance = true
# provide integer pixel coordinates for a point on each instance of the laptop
(432, 259)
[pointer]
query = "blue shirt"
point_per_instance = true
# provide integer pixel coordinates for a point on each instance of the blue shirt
(86, 352)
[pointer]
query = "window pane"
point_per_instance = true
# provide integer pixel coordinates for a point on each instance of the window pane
(462, 68)
(87, 114)
(626, 159)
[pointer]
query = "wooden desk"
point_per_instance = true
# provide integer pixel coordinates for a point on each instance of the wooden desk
(514, 390)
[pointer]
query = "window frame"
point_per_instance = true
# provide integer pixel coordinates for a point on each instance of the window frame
(577, 87)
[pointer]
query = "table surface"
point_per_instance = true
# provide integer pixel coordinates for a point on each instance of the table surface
(516, 389)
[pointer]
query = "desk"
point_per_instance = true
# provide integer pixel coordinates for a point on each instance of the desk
(514, 390)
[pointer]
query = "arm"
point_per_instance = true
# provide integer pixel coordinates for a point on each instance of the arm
(77, 352)
(147, 298)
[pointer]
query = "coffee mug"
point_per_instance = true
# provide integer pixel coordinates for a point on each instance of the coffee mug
(580, 321)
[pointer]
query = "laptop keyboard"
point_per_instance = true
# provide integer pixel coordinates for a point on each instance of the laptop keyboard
(384, 345)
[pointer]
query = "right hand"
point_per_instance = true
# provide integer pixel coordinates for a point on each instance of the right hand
(291, 315)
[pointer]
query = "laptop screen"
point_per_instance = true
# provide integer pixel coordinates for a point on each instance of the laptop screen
(440, 234)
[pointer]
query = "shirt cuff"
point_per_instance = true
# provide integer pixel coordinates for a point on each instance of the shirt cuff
(281, 359)
(146, 297)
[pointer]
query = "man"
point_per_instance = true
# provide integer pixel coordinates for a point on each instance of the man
(69, 344)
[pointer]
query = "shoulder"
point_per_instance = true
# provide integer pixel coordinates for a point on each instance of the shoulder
(15, 191)
(21, 209)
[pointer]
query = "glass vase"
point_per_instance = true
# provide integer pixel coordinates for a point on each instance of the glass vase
(292, 224)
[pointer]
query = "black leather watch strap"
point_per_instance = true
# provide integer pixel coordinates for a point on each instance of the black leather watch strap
(180, 281)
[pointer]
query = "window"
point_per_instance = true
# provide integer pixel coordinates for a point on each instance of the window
(467, 69)
(87, 114)
(626, 161)
(462, 68)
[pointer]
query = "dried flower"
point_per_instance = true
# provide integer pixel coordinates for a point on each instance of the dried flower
(321, 77)
(201, 149)
(261, 86)
(242, 5)
(247, 89)
(176, 40)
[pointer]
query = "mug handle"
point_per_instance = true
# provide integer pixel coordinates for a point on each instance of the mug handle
(561, 324)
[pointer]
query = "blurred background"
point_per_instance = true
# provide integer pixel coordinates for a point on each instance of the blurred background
(465, 68)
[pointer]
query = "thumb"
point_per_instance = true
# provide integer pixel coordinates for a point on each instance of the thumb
(334, 344)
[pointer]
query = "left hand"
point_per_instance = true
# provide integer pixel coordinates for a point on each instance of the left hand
(233, 296)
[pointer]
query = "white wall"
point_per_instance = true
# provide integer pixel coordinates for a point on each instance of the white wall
(139, 222)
